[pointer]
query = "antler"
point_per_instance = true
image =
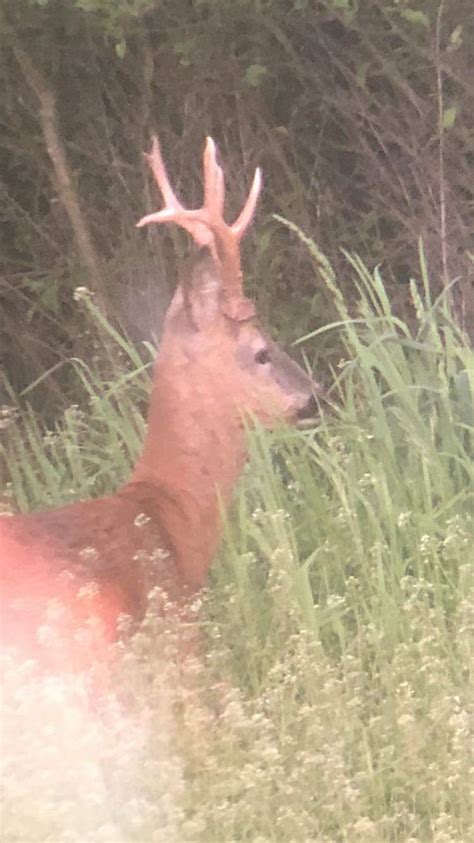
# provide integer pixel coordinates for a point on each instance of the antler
(207, 225)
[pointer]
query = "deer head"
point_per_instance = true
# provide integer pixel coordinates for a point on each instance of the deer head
(211, 338)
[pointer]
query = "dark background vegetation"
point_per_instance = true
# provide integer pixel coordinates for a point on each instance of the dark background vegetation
(360, 113)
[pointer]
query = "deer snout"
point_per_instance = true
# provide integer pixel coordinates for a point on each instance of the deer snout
(310, 404)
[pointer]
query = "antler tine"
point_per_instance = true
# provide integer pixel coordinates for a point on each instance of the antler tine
(245, 217)
(158, 167)
(214, 188)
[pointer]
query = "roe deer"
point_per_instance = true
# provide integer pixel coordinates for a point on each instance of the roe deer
(101, 557)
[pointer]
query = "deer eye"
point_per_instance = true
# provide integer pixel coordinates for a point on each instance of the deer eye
(262, 357)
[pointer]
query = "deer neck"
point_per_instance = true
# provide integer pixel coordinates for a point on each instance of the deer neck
(193, 455)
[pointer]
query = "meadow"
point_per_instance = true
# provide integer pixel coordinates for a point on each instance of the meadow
(331, 700)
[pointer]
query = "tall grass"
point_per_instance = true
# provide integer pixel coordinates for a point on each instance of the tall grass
(332, 700)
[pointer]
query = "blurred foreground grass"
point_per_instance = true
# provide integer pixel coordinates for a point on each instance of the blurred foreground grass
(332, 702)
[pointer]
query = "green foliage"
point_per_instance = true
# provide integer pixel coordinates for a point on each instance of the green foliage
(449, 117)
(332, 701)
(455, 39)
(115, 16)
(255, 74)
(415, 16)
(66, 462)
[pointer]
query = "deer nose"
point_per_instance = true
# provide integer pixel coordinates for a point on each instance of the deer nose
(310, 408)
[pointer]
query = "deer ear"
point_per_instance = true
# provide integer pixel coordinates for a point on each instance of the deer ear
(202, 292)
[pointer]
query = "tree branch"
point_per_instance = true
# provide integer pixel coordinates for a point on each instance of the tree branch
(47, 116)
